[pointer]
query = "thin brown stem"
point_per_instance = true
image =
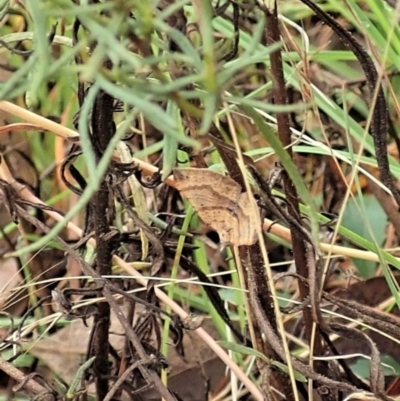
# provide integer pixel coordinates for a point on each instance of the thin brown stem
(280, 97)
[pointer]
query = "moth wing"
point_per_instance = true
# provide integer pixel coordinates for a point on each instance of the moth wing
(220, 204)
(213, 196)
(222, 221)
(249, 219)
(202, 179)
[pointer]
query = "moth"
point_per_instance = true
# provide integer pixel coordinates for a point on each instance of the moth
(221, 204)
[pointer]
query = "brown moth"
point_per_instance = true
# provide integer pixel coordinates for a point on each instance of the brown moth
(220, 204)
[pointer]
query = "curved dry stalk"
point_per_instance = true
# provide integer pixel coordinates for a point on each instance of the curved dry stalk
(42, 122)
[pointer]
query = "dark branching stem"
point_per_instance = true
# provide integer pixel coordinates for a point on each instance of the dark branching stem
(7, 194)
(380, 117)
(280, 97)
(253, 261)
(103, 129)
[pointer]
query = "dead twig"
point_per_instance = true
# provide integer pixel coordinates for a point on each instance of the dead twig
(29, 384)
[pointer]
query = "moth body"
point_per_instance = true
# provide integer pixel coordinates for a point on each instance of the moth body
(221, 204)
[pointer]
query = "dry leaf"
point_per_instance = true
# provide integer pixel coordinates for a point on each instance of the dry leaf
(63, 352)
(220, 203)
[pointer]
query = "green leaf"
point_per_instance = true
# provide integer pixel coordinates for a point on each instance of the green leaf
(369, 221)
(242, 349)
(228, 295)
(23, 361)
(78, 377)
(151, 111)
(170, 143)
(362, 366)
